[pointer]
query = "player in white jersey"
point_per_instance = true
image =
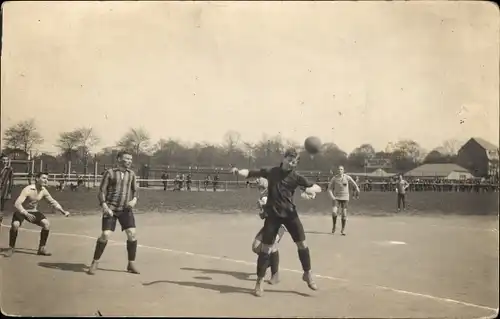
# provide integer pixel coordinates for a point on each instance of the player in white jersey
(338, 189)
(257, 242)
(27, 209)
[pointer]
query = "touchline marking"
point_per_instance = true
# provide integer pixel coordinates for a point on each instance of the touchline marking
(286, 269)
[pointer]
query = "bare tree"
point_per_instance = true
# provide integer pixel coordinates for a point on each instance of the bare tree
(68, 143)
(136, 140)
(23, 135)
(231, 141)
(452, 146)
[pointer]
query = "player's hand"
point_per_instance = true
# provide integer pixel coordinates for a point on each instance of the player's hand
(262, 215)
(30, 217)
(107, 211)
(132, 203)
(308, 196)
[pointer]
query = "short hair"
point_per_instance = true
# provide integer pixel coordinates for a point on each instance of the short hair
(121, 153)
(39, 174)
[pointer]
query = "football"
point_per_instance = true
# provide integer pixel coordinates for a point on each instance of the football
(312, 145)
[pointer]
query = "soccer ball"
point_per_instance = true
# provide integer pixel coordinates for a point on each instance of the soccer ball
(312, 145)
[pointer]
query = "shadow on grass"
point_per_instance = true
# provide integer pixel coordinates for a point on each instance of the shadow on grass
(236, 274)
(223, 289)
(26, 251)
(74, 267)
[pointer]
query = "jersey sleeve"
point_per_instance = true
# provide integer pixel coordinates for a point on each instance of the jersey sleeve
(51, 200)
(104, 186)
(133, 186)
(18, 204)
(302, 181)
(263, 172)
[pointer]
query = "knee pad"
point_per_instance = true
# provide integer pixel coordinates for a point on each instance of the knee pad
(344, 213)
(334, 211)
(45, 224)
(105, 235)
(131, 234)
(301, 245)
(15, 225)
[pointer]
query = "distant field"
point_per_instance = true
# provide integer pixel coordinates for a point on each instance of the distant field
(370, 203)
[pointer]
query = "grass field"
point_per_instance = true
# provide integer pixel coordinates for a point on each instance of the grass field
(439, 259)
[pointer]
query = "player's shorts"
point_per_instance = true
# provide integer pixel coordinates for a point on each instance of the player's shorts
(18, 217)
(125, 218)
(342, 204)
(280, 234)
(272, 226)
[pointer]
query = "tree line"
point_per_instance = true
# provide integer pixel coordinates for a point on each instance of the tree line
(76, 145)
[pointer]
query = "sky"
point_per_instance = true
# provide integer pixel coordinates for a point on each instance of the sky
(347, 72)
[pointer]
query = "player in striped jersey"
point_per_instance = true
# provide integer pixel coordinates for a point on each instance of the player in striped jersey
(6, 178)
(117, 197)
(338, 189)
(274, 257)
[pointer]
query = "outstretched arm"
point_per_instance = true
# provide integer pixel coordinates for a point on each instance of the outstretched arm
(246, 173)
(308, 186)
(349, 178)
(53, 202)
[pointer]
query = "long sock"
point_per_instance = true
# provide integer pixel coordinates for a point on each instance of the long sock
(262, 264)
(44, 235)
(334, 219)
(99, 249)
(131, 249)
(12, 237)
(305, 258)
(274, 260)
(344, 221)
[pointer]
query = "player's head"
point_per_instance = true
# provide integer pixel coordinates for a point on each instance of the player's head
(42, 179)
(290, 159)
(340, 170)
(5, 159)
(124, 159)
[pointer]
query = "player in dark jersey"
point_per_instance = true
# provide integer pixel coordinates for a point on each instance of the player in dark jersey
(283, 180)
(6, 183)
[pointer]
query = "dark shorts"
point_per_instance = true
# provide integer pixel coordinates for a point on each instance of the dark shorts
(125, 218)
(278, 238)
(342, 204)
(18, 217)
(272, 226)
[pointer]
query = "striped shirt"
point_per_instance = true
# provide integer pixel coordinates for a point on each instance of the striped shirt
(30, 196)
(339, 185)
(6, 176)
(118, 187)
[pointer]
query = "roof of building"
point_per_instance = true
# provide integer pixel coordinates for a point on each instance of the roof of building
(485, 144)
(441, 169)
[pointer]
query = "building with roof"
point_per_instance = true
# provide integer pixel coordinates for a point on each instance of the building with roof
(479, 156)
(441, 170)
